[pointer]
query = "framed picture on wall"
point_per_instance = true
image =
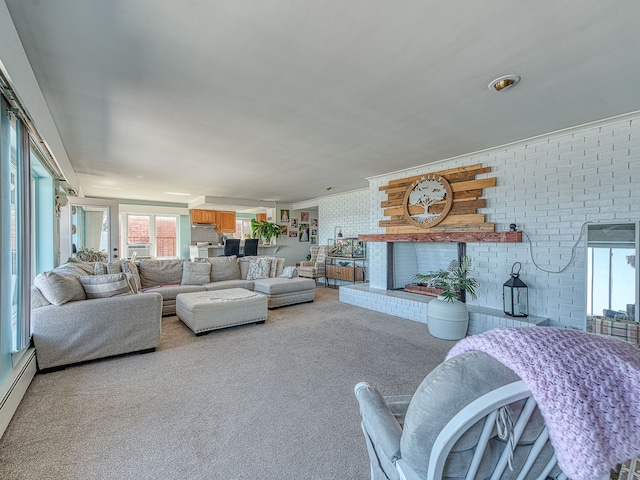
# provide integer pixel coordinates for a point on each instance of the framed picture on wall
(314, 222)
(304, 216)
(284, 216)
(294, 223)
(284, 229)
(293, 234)
(303, 232)
(314, 232)
(314, 240)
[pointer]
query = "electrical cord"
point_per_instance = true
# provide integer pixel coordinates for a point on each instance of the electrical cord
(573, 251)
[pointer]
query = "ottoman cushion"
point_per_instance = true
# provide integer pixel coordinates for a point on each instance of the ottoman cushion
(210, 310)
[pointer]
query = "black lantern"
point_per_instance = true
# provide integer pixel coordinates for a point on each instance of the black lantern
(515, 296)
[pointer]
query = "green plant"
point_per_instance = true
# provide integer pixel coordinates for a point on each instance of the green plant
(308, 257)
(452, 281)
(90, 255)
(264, 230)
(343, 264)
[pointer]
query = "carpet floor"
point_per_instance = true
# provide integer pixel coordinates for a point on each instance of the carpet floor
(270, 401)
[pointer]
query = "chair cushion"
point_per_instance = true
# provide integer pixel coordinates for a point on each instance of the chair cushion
(442, 394)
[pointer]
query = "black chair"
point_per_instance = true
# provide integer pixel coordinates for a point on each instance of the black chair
(232, 247)
(250, 247)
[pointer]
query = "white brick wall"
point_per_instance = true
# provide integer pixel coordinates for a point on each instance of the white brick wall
(549, 186)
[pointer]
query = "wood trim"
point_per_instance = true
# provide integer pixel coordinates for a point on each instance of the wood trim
(467, 237)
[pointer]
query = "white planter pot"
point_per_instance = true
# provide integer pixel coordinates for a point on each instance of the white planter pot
(447, 320)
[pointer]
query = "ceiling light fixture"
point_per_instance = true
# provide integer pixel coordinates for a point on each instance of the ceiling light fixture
(504, 82)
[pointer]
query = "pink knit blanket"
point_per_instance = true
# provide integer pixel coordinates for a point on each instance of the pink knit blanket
(587, 388)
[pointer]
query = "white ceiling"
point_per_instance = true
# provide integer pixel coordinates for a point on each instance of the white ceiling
(276, 100)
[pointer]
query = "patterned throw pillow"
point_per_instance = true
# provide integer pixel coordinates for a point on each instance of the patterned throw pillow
(195, 273)
(132, 269)
(289, 272)
(259, 268)
(104, 286)
(59, 289)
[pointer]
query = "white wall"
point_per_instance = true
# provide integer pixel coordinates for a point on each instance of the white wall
(549, 186)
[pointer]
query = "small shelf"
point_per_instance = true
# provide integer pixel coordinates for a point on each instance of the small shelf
(460, 237)
(352, 269)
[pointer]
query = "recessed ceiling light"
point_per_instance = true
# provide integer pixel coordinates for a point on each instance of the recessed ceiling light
(328, 188)
(504, 82)
(178, 193)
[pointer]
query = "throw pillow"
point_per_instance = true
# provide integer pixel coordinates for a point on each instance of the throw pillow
(259, 269)
(104, 286)
(114, 267)
(37, 299)
(195, 273)
(224, 268)
(132, 269)
(155, 273)
(100, 268)
(289, 272)
(244, 263)
(59, 289)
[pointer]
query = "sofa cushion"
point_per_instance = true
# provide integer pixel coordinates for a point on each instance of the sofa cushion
(278, 286)
(170, 292)
(37, 299)
(195, 273)
(102, 268)
(246, 284)
(160, 272)
(86, 267)
(244, 263)
(58, 288)
(259, 268)
(224, 268)
(104, 286)
(132, 269)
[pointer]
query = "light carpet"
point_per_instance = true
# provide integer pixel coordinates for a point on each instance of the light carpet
(269, 401)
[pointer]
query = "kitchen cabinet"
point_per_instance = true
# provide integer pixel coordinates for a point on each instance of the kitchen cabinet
(203, 216)
(226, 222)
(261, 217)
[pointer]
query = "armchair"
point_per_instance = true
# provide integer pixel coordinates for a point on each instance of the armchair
(511, 403)
(314, 268)
(448, 428)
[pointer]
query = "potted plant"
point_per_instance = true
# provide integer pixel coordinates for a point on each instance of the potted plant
(265, 230)
(447, 316)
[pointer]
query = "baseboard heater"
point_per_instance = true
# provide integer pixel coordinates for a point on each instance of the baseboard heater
(15, 386)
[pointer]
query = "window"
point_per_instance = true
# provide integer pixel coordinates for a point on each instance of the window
(612, 270)
(149, 235)
(243, 229)
(15, 260)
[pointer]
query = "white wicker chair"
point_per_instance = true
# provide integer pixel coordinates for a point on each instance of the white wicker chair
(471, 418)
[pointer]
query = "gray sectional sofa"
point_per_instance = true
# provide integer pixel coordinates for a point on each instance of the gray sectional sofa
(85, 311)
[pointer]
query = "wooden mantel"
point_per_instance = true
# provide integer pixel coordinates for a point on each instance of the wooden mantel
(460, 237)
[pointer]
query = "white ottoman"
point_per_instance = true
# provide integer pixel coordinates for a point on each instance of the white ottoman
(206, 311)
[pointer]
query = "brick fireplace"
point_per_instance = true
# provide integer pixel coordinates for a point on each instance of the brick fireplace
(398, 257)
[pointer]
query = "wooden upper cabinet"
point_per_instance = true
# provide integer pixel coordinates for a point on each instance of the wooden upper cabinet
(226, 222)
(261, 217)
(203, 216)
